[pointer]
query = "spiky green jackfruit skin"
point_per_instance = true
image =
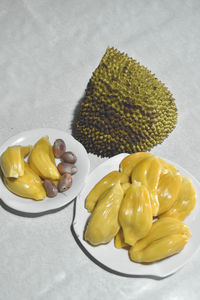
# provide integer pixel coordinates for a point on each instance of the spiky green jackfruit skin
(125, 108)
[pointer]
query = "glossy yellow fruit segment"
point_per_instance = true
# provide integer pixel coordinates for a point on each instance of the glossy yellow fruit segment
(119, 240)
(166, 167)
(159, 249)
(125, 186)
(12, 161)
(105, 183)
(103, 224)
(129, 162)
(28, 185)
(168, 188)
(42, 159)
(148, 173)
(135, 214)
(161, 228)
(184, 203)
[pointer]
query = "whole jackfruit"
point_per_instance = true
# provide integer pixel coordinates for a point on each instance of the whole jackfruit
(125, 108)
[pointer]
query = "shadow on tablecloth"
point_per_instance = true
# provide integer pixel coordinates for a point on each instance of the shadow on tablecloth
(31, 215)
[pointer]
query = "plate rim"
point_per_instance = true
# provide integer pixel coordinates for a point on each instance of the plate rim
(39, 212)
(82, 243)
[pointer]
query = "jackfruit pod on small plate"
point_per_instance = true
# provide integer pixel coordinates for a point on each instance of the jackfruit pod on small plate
(12, 160)
(29, 185)
(42, 159)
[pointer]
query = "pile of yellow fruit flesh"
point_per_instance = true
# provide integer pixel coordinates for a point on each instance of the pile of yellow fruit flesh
(142, 206)
(25, 179)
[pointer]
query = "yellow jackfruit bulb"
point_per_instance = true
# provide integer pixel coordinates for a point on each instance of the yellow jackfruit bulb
(125, 186)
(103, 224)
(166, 167)
(148, 173)
(12, 160)
(28, 185)
(159, 249)
(184, 203)
(135, 214)
(119, 240)
(129, 162)
(105, 183)
(42, 159)
(168, 188)
(162, 228)
(125, 108)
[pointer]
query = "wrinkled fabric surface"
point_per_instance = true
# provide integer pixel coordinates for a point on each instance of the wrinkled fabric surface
(48, 52)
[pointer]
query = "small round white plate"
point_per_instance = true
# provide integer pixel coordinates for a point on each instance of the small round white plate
(117, 260)
(48, 204)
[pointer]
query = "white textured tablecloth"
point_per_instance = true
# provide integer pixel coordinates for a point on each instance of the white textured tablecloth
(48, 51)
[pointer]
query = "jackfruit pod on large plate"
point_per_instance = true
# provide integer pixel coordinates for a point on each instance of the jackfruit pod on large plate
(129, 162)
(166, 167)
(119, 240)
(125, 186)
(168, 188)
(28, 185)
(184, 203)
(12, 160)
(159, 249)
(105, 183)
(135, 214)
(148, 173)
(42, 159)
(103, 223)
(162, 228)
